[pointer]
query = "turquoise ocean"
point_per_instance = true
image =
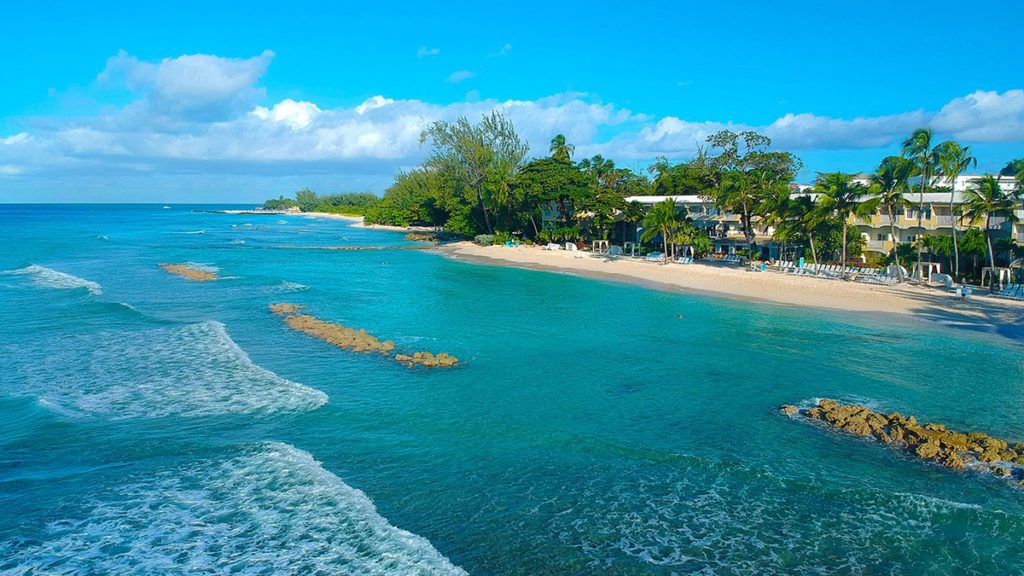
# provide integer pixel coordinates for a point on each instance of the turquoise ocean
(153, 425)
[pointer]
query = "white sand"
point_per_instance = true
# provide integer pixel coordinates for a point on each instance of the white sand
(980, 312)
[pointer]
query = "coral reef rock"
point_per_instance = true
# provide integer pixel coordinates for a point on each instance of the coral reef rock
(355, 340)
(933, 442)
(190, 272)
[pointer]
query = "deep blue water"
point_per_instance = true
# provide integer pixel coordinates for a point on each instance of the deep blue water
(153, 425)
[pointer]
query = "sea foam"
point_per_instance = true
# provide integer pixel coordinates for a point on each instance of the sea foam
(272, 510)
(192, 370)
(44, 277)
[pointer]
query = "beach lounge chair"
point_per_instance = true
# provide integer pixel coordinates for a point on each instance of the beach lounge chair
(615, 251)
(571, 247)
(655, 257)
(553, 246)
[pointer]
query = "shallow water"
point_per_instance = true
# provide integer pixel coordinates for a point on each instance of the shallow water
(149, 424)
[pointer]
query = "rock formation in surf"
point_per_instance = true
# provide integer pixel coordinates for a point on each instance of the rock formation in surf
(434, 237)
(190, 272)
(954, 450)
(355, 340)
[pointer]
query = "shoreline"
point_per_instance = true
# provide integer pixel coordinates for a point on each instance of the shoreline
(979, 314)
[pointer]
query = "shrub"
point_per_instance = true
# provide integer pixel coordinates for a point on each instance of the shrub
(484, 239)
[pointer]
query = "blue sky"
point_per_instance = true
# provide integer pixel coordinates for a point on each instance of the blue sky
(194, 101)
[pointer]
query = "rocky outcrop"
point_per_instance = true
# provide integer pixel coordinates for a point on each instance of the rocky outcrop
(434, 237)
(190, 272)
(933, 442)
(442, 360)
(355, 340)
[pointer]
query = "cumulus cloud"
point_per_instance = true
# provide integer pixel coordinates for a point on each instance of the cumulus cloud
(984, 116)
(459, 76)
(424, 52)
(197, 86)
(297, 115)
(207, 114)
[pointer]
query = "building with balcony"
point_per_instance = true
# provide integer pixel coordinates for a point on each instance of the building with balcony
(929, 215)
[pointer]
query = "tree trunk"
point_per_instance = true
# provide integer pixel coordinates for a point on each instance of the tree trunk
(991, 254)
(843, 263)
(920, 216)
(534, 222)
(748, 233)
(480, 202)
(895, 244)
(664, 242)
(956, 250)
(814, 253)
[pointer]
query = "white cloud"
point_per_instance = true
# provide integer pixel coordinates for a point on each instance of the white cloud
(984, 116)
(424, 52)
(195, 85)
(297, 115)
(206, 115)
(372, 103)
(504, 51)
(19, 138)
(459, 76)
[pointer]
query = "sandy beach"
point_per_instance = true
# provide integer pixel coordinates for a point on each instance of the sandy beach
(980, 313)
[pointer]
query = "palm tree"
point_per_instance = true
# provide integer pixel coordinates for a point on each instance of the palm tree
(954, 159)
(888, 185)
(986, 198)
(918, 148)
(840, 197)
(560, 149)
(806, 218)
(738, 195)
(660, 219)
(776, 210)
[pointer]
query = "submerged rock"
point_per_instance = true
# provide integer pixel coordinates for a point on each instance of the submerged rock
(282, 309)
(353, 339)
(789, 410)
(190, 272)
(930, 441)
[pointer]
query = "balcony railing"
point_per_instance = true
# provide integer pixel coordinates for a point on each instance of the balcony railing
(875, 244)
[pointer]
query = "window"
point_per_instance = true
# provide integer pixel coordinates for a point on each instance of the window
(880, 237)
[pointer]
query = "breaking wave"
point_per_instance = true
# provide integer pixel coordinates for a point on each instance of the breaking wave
(272, 510)
(44, 277)
(194, 370)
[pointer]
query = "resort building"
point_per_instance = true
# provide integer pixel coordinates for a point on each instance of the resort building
(935, 215)
(726, 231)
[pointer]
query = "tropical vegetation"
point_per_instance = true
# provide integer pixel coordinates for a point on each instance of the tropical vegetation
(479, 179)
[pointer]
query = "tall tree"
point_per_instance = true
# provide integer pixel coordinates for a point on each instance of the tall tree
(985, 199)
(918, 148)
(476, 154)
(807, 218)
(551, 181)
(1014, 167)
(560, 149)
(776, 212)
(660, 219)
(744, 173)
(888, 188)
(840, 197)
(954, 160)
